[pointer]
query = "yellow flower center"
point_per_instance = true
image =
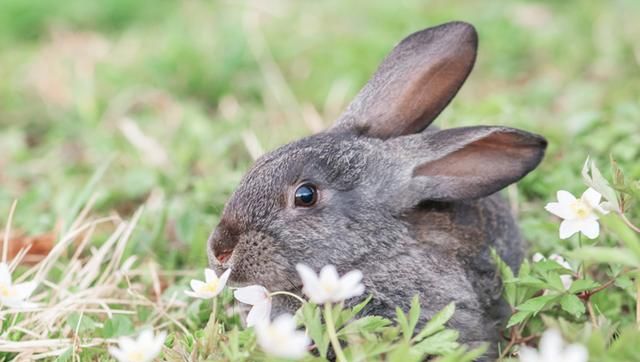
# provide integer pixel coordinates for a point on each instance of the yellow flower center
(581, 209)
(211, 287)
(6, 291)
(328, 287)
(136, 356)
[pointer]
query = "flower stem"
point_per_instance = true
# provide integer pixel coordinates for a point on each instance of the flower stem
(638, 300)
(211, 329)
(300, 299)
(628, 222)
(333, 336)
(582, 267)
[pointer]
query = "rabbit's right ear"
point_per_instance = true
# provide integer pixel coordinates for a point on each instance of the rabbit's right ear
(414, 83)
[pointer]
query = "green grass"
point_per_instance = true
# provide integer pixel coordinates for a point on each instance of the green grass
(199, 78)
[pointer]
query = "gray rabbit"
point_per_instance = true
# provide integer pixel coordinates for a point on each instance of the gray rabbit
(415, 209)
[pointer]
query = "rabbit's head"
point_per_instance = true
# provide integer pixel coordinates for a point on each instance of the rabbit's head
(338, 197)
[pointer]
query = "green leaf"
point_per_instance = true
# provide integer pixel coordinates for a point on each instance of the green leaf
(599, 183)
(414, 314)
(554, 281)
(581, 285)
(81, 322)
(312, 321)
(118, 325)
(535, 305)
(403, 323)
(601, 254)
(518, 318)
(436, 323)
(404, 353)
(66, 356)
(440, 343)
(572, 304)
(530, 281)
(630, 239)
(366, 324)
(510, 289)
(349, 313)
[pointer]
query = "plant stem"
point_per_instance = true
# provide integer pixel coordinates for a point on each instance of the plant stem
(211, 329)
(333, 336)
(583, 265)
(300, 299)
(629, 224)
(638, 300)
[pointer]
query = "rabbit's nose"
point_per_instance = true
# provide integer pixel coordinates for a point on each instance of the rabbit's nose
(222, 242)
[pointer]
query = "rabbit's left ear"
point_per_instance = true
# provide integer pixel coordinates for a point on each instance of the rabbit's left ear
(414, 83)
(465, 163)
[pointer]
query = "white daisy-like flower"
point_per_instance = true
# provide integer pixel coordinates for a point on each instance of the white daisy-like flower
(281, 339)
(15, 295)
(143, 349)
(258, 297)
(328, 286)
(567, 279)
(211, 287)
(579, 215)
(552, 348)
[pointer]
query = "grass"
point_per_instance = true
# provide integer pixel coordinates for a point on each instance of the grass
(109, 106)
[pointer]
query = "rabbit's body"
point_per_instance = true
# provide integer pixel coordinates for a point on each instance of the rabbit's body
(415, 210)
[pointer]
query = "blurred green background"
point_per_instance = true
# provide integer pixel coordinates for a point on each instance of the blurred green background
(166, 103)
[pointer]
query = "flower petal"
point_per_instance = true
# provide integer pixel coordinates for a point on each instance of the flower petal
(197, 285)
(311, 284)
(566, 280)
(591, 197)
(209, 275)
(551, 345)
(24, 290)
(252, 294)
(329, 275)
(569, 227)
(118, 354)
(590, 229)
(350, 293)
(156, 345)
(192, 294)
(223, 280)
(565, 197)
(537, 257)
(576, 353)
(560, 260)
(5, 275)
(350, 286)
(258, 313)
(528, 354)
(560, 210)
(145, 339)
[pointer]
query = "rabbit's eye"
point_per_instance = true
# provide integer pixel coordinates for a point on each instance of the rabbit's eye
(306, 195)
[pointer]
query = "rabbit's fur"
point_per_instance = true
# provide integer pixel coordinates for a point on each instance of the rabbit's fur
(414, 208)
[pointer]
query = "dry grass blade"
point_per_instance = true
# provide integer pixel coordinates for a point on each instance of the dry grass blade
(94, 284)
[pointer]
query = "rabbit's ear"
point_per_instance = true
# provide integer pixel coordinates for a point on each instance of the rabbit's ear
(471, 162)
(414, 83)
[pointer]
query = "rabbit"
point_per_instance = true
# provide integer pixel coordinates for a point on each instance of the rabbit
(415, 208)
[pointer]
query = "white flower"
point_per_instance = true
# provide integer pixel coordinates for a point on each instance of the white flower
(329, 287)
(258, 297)
(211, 287)
(552, 349)
(15, 295)
(143, 349)
(281, 339)
(567, 279)
(579, 215)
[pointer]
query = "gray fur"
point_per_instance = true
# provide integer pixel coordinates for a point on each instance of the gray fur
(406, 206)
